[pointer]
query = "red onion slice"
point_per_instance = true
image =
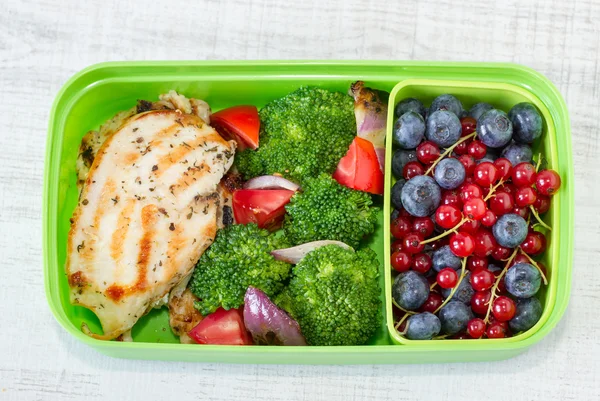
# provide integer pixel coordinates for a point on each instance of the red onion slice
(268, 324)
(295, 254)
(271, 182)
(381, 158)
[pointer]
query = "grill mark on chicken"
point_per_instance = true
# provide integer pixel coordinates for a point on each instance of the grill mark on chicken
(116, 292)
(118, 237)
(179, 153)
(188, 177)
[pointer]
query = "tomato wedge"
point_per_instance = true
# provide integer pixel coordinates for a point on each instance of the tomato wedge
(240, 123)
(360, 169)
(265, 207)
(224, 327)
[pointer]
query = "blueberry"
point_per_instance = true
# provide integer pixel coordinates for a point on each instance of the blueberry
(409, 130)
(510, 230)
(395, 214)
(523, 280)
(399, 160)
(529, 311)
(449, 173)
(464, 293)
(446, 102)
(443, 257)
(494, 128)
(410, 104)
(526, 121)
(421, 196)
(423, 326)
(454, 317)
(443, 128)
(410, 290)
(478, 109)
(396, 193)
(517, 153)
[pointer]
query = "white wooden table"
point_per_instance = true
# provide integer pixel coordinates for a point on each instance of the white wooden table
(42, 43)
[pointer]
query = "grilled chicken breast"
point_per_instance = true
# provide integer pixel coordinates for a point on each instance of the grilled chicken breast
(148, 209)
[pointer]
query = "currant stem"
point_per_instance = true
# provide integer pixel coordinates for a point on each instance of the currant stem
(442, 235)
(460, 278)
(497, 283)
(534, 263)
(493, 190)
(399, 323)
(401, 308)
(448, 151)
(432, 286)
(539, 219)
(539, 163)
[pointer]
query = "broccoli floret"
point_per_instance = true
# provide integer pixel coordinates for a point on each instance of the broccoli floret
(326, 210)
(302, 134)
(334, 296)
(239, 257)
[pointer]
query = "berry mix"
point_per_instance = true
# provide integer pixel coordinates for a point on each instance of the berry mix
(466, 228)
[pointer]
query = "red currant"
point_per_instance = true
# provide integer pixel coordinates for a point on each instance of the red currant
(504, 167)
(412, 169)
(501, 203)
(475, 263)
(521, 211)
(423, 226)
(504, 308)
(439, 243)
(485, 174)
(476, 328)
(519, 259)
(468, 162)
(434, 300)
(474, 208)
(547, 182)
(496, 330)
(477, 149)
(525, 196)
(479, 302)
(523, 175)
(470, 226)
(484, 243)
(489, 218)
(461, 244)
(400, 226)
(482, 280)
(534, 243)
(500, 252)
(447, 216)
(543, 268)
(421, 263)
(470, 191)
(396, 246)
(461, 148)
(401, 261)
(447, 278)
(542, 204)
(468, 125)
(428, 152)
(451, 197)
(508, 188)
(412, 243)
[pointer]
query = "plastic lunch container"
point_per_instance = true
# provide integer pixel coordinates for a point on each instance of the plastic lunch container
(98, 92)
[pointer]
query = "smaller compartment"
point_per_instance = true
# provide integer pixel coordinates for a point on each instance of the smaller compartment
(502, 96)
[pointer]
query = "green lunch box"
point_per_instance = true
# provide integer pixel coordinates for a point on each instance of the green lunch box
(100, 91)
